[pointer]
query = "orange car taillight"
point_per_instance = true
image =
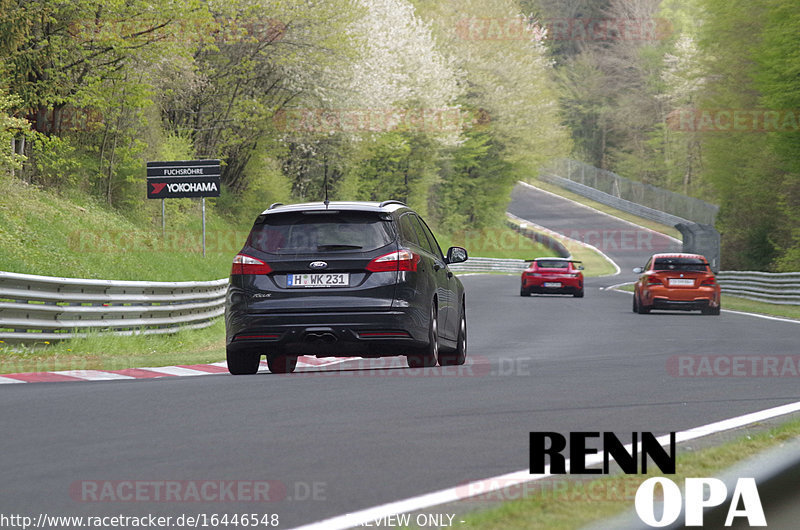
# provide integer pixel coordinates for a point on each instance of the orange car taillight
(244, 264)
(402, 260)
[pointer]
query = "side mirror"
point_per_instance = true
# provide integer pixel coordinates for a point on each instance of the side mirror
(456, 255)
(580, 267)
(638, 270)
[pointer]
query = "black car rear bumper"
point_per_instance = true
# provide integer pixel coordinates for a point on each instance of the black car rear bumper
(335, 333)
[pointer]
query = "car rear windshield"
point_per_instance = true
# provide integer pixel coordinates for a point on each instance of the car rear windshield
(313, 233)
(553, 264)
(680, 264)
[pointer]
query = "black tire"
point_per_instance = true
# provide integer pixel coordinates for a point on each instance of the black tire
(711, 310)
(524, 292)
(635, 303)
(458, 356)
(640, 307)
(281, 364)
(242, 363)
(428, 355)
(578, 294)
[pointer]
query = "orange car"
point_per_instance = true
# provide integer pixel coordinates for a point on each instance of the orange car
(676, 281)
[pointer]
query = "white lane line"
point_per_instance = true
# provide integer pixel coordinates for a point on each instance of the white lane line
(93, 375)
(175, 370)
(601, 212)
(562, 237)
(616, 286)
(488, 485)
(767, 317)
(9, 380)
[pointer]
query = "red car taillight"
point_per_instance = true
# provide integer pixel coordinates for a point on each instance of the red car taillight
(402, 260)
(244, 264)
(709, 282)
(653, 280)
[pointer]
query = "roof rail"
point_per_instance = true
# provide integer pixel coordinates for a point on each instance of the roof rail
(274, 205)
(392, 201)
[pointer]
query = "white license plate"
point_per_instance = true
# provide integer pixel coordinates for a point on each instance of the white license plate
(325, 279)
(552, 284)
(680, 281)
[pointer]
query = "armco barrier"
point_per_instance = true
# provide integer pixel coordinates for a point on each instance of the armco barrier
(774, 288)
(615, 202)
(490, 265)
(42, 308)
(627, 193)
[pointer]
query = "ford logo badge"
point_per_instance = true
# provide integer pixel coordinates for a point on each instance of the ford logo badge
(317, 265)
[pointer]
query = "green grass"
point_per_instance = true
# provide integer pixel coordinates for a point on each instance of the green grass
(108, 352)
(42, 232)
(752, 306)
(495, 242)
(652, 225)
(738, 303)
(577, 504)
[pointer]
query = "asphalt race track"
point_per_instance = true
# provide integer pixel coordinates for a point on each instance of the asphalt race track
(360, 435)
(627, 244)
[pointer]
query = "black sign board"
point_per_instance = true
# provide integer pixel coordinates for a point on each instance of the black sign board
(182, 179)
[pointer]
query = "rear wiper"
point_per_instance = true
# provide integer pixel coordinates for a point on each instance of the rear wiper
(339, 247)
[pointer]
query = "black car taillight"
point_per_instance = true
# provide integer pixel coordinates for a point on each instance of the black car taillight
(244, 264)
(401, 260)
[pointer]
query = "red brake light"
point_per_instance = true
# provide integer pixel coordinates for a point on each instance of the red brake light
(709, 281)
(244, 264)
(402, 260)
(653, 280)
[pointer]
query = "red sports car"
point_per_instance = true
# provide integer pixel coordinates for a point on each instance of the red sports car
(553, 275)
(676, 281)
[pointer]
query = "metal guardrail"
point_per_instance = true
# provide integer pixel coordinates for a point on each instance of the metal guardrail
(490, 265)
(44, 308)
(615, 202)
(633, 192)
(774, 288)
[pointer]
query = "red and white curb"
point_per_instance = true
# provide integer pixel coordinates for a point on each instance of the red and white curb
(182, 370)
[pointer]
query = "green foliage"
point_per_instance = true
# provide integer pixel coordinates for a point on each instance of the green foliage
(476, 183)
(621, 99)
(10, 127)
(394, 165)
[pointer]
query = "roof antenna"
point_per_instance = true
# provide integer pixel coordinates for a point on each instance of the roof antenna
(326, 201)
